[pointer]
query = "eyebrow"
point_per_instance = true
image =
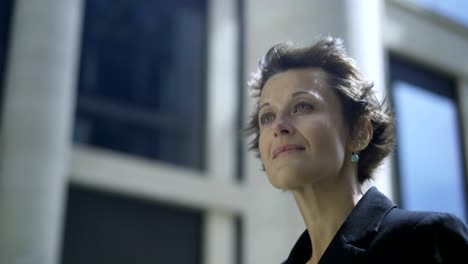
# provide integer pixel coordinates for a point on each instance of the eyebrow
(296, 94)
(303, 92)
(263, 105)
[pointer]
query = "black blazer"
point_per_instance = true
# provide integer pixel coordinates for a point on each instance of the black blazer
(376, 231)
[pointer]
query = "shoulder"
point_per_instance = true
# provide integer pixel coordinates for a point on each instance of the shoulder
(432, 237)
(418, 223)
(441, 222)
(443, 234)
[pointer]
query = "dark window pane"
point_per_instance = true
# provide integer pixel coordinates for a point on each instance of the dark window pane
(241, 10)
(239, 239)
(430, 158)
(141, 82)
(6, 11)
(108, 228)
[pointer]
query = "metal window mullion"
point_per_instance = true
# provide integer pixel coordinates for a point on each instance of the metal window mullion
(114, 111)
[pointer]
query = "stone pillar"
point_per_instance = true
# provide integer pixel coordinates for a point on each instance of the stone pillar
(364, 42)
(36, 137)
(273, 222)
(219, 227)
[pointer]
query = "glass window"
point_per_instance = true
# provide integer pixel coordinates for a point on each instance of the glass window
(6, 10)
(107, 228)
(452, 9)
(429, 146)
(141, 82)
(239, 239)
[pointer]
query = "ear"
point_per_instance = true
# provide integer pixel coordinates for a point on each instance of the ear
(362, 135)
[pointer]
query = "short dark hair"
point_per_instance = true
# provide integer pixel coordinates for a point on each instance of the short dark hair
(353, 90)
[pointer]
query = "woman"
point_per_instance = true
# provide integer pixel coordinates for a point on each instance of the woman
(320, 133)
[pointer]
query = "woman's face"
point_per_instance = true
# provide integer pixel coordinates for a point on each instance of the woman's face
(303, 136)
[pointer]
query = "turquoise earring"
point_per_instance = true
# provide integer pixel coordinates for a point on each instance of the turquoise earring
(354, 158)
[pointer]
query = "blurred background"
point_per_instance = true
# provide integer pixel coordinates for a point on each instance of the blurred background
(121, 122)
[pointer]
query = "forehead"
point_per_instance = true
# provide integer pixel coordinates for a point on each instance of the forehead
(288, 82)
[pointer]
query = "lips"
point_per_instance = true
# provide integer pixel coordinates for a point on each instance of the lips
(286, 148)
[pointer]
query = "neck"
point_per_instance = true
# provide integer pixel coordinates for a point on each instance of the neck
(324, 207)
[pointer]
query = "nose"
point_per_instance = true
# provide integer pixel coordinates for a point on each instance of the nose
(282, 128)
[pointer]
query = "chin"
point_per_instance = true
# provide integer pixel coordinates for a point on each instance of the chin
(288, 179)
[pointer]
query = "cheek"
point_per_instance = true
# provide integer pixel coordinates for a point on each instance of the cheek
(334, 142)
(325, 138)
(262, 147)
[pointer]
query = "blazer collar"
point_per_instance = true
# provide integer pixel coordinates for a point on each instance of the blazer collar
(354, 235)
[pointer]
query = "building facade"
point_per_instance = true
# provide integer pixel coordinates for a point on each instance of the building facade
(121, 122)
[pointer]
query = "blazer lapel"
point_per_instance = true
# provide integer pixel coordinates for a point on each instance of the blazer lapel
(359, 229)
(353, 237)
(341, 251)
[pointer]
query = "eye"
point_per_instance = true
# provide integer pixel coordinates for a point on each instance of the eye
(302, 106)
(267, 118)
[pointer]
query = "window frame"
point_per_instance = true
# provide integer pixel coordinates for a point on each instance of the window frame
(414, 34)
(402, 69)
(94, 107)
(218, 189)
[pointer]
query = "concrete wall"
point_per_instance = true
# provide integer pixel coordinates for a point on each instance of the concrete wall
(40, 92)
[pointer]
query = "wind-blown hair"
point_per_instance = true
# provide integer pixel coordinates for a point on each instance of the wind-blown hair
(353, 90)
